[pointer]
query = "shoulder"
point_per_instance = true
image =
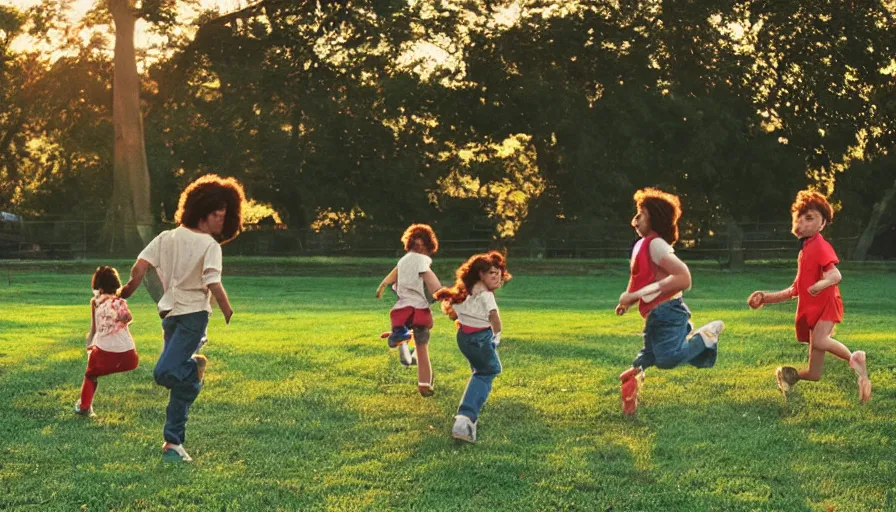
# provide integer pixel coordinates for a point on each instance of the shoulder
(659, 248)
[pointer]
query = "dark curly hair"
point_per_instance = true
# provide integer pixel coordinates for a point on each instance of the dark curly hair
(209, 194)
(423, 234)
(106, 280)
(664, 210)
(468, 275)
(811, 200)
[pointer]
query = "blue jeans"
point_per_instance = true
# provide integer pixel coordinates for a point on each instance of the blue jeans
(666, 344)
(480, 352)
(176, 369)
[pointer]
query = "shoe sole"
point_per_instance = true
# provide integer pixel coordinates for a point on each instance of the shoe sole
(462, 438)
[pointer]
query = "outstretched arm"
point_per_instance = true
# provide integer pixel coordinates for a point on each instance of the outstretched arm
(432, 283)
(391, 278)
(759, 298)
(138, 272)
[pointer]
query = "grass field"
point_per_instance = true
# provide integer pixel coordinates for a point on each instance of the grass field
(305, 408)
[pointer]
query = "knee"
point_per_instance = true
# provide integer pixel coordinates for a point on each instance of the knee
(160, 375)
(421, 336)
(665, 363)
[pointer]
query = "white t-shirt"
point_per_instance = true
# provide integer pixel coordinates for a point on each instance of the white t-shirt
(411, 289)
(659, 248)
(187, 262)
(474, 311)
(111, 318)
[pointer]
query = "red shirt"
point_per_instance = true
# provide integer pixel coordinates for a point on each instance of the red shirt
(643, 273)
(816, 256)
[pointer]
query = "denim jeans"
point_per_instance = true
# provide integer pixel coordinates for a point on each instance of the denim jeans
(480, 352)
(176, 369)
(666, 344)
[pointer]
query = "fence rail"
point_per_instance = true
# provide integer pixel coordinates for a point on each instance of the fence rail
(73, 239)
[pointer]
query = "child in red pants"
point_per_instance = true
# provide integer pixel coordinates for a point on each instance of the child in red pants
(109, 343)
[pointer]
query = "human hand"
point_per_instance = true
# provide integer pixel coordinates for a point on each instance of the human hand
(227, 311)
(379, 291)
(756, 300)
(620, 310)
(627, 299)
(816, 288)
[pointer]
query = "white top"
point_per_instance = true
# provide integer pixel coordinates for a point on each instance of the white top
(659, 248)
(411, 289)
(187, 262)
(474, 311)
(111, 317)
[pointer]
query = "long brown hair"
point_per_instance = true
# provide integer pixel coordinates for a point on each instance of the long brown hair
(664, 210)
(468, 275)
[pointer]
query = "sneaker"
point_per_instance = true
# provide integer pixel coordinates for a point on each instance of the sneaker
(631, 381)
(81, 412)
(399, 335)
(201, 364)
(787, 377)
(404, 354)
(427, 390)
(463, 429)
(710, 333)
(175, 453)
(858, 365)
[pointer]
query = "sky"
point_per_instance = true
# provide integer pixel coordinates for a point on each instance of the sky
(79, 7)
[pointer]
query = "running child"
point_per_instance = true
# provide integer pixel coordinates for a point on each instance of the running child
(471, 302)
(188, 262)
(411, 312)
(110, 346)
(819, 305)
(657, 281)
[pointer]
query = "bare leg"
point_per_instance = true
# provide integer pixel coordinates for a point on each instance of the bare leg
(821, 341)
(424, 367)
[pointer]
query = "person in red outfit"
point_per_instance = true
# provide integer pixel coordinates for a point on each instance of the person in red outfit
(819, 305)
(109, 343)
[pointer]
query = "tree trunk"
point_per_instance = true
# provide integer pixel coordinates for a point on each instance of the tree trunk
(129, 223)
(867, 237)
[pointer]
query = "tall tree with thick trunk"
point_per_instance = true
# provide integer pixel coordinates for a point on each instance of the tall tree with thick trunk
(129, 220)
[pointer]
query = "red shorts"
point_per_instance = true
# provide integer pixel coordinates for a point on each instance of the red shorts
(102, 363)
(411, 317)
(831, 311)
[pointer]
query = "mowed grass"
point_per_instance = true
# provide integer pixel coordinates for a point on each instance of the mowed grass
(305, 408)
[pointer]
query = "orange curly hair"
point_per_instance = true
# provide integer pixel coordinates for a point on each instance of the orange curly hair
(420, 236)
(468, 275)
(811, 200)
(664, 210)
(208, 194)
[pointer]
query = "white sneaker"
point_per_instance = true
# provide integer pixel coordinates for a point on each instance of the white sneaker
(464, 429)
(710, 333)
(81, 412)
(404, 354)
(175, 453)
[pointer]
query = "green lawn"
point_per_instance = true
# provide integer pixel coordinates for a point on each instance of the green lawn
(305, 408)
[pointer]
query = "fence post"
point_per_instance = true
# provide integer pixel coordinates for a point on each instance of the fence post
(735, 245)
